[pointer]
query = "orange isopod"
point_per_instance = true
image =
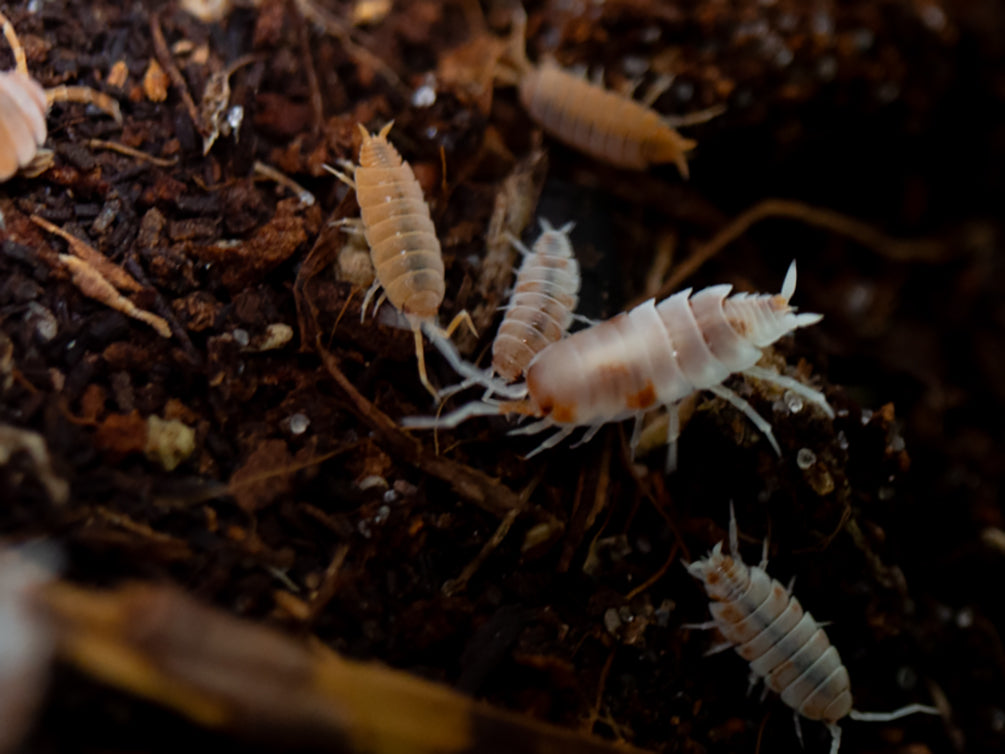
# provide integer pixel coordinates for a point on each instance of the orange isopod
(608, 126)
(403, 245)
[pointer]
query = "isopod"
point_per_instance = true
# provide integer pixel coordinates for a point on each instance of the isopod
(541, 308)
(785, 646)
(654, 355)
(608, 126)
(24, 104)
(403, 245)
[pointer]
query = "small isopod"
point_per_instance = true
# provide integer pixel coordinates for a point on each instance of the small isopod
(540, 310)
(608, 126)
(24, 104)
(543, 302)
(403, 245)
(784, 645)
(654, 355)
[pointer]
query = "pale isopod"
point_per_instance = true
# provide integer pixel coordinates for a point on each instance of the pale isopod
(652, 356)
(784, 645)
(542, 305)
(403, 245)
(22, 111)
(540, 310)
(608, 126)
(24, 104)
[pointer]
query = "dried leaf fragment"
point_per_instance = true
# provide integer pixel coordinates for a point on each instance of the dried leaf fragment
(155, 82)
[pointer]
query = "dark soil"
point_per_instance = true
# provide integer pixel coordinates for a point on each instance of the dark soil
(889, 112)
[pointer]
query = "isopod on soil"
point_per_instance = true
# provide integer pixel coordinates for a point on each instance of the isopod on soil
(785, 646)
(540, 310)
(403, 245)
(654, 355)
(24, 104)
(608, 126)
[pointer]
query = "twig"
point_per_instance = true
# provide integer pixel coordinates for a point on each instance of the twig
(267, 171)
(358, 53)
(487, 493)
(892, 248)
(115, 146)
(166, 59)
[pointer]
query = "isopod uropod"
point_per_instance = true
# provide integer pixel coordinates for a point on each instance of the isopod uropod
(784, 645)
(608, 126)
(403, 245)
(652, 356)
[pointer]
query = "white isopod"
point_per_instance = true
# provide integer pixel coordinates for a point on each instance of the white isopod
(784, 645)
(654, 355)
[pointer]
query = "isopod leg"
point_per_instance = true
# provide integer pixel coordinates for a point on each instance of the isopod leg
(734, 533)
(472, 375)
(787, 383)
(461, 318)
(835, 730)
(741, 405)
(420, 356)
(693, 119)
(552, 441)
(341, 176)
(20, 60)
(366, 299)
(589, 435)
(533, 428)
(452, 419)
(885, 717)
(518, 244)
(673, 432)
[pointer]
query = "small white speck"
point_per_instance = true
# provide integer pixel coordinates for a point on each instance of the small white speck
(424, 96)
(391, 496)
(383, 513)
(299, 424)
(822, 24)
(783, 57)
(965, 618)
(897, 444)
(805, 458)
(863, 39)
(684, 90)
(635, 65)
(793, 402)
(827, 68)
(241, 337)
(235, 116)
(612, 621)
(997, 720)
(887, 92)
(866, 416)
(933, 17)
(368, 482)
(842, 440)
(432, 132)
